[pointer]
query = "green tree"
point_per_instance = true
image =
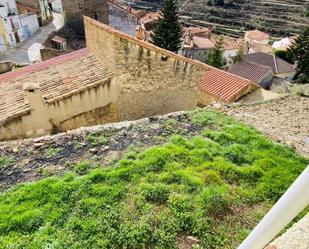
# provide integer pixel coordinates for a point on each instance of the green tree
(240, 55)
(299, 53)
(168, 31)
(306, 14)
(215, 57)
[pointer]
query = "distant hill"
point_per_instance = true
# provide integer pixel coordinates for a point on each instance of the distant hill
(277, 17)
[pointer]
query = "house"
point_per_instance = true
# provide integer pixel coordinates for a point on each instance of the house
(196, 47)
(43, 11)
(280, 67)
(29, 21)
(55, 5)
(259, 48)
(127, 80)
(59, 43)
(223, 87)
(260, 74)
(284, 43)
(231, 46)
(198, 42)
(146, 25)
(11, 32)
(123, 18)
(256, 37)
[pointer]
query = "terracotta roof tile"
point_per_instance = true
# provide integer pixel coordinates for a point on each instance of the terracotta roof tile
(202, 42)
(250, 71)
(225, 86)
(58, 78)
(257, 35)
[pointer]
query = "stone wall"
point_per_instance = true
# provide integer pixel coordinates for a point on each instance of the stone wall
(121, 19)
(91, 8)
(90, 107)
(151, 80)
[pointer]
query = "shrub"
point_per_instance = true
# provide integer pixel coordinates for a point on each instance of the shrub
(214, 200)
(155, 192)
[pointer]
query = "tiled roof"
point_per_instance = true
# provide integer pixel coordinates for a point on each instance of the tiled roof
(250, 71)
(275, 63)
(58, 78)
(201, 42)
(58, 39)
(228, 42)
(261, 48)
(257, 35)
(150, 17)
(225, 86)
(196, 31)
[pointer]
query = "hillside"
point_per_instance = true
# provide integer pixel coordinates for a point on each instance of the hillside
(164, 182)
(278, 17)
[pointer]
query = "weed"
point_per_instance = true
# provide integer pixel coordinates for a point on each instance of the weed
(52, 152)
(96, 140)
(186, 186)
(6, 161)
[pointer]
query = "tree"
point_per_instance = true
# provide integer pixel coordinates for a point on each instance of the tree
(306, 14)
(299, 53)
(215, 57)
(168, 31)
(240, 55)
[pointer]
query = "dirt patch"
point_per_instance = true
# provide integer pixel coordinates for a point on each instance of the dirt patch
(285, 120)
(34, 159)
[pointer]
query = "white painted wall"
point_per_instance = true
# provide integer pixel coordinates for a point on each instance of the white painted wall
(57, 6)
(29, 24)
(230, 53)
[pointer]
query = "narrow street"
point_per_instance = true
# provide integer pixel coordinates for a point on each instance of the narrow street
(29, 50)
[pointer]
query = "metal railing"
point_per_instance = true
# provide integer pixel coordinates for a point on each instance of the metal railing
(295, 199)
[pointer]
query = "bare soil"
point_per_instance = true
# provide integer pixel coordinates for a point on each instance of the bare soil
(285, 120)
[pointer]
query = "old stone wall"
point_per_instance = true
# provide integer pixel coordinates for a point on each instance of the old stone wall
(150, 80)
(91, 8)
(90, 107)
(121, 19)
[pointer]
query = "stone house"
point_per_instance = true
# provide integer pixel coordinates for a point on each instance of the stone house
(119, 16)
(116, 78)
(198, 42)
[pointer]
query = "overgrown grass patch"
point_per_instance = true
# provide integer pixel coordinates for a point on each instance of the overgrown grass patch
(215, 187)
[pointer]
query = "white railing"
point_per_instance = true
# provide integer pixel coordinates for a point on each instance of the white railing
(295, 199)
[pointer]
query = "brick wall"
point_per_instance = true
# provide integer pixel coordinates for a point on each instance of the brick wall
(151, 80)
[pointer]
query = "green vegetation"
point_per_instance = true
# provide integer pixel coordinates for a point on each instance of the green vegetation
(215, 187)
(283, 54)
(52, 152)
(95, 140)
(5, 162)
(168, 31)
(299, 53)
(215, 57)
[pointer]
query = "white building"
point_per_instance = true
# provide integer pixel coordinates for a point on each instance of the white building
(13, 27)
(55, 5)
